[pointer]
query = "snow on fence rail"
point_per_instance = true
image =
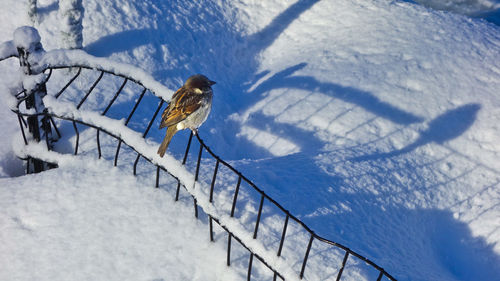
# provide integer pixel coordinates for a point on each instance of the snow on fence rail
(35, 105)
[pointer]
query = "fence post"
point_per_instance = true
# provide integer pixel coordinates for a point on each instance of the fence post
(29, 47)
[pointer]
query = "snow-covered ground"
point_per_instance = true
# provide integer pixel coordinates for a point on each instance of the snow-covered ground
(101, 224)
(375, 122)
(466, 7)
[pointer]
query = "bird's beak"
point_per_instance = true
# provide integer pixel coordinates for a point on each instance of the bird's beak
(211, 82)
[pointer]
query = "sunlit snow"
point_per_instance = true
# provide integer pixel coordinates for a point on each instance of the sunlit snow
(375, 122)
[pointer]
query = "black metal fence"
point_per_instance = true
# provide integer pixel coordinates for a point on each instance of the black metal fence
(197, 157)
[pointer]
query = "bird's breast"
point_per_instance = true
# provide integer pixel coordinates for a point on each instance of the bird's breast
(195, 119)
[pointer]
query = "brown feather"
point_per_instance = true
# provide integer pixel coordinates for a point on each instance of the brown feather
(166, 140)
(183, 103)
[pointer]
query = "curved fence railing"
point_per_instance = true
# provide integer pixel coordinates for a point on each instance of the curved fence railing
(196, 157)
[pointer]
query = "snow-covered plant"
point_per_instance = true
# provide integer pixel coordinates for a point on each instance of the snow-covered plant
(71, 15)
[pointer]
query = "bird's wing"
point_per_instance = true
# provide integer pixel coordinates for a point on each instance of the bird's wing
(183, 103)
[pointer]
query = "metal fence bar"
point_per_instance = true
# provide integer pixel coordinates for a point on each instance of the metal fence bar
(187, 148)
(146, 133)
(195, 207)
(117, 152)
(210, 222)
(135, 106)
(196, 179)
(24, 121)
(157, 183)
(22, 129)
(198, 164)
(99, 144)
(259, 214)
(28, 165)
(55, 127)
(69, 83)
(235, 196)
(248, 249)
(212, 185)
(249, 275)
(90, 90)
(364, 259)
(306, 256)
(48, 75)
(344, 261)
(380, 276)
(283, 234)
(178, 189)
(135, 163)
(115, 96)
(18, 95)
(228, 260)
(46, 126)
(77, 137)
(153, 119)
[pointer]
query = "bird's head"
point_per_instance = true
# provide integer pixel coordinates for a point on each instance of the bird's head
(198, 81)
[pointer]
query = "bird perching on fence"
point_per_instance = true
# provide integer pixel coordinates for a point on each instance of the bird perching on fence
(188, 108)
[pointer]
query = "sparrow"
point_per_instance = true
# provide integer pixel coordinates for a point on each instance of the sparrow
(188, 108)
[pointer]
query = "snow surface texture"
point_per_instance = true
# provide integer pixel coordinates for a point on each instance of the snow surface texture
(376, 122)
(468, 7)
(102, 224)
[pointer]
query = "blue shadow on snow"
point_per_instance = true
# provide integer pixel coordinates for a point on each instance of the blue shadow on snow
(445, 127)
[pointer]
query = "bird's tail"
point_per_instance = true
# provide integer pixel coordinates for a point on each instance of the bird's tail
(166, 141)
